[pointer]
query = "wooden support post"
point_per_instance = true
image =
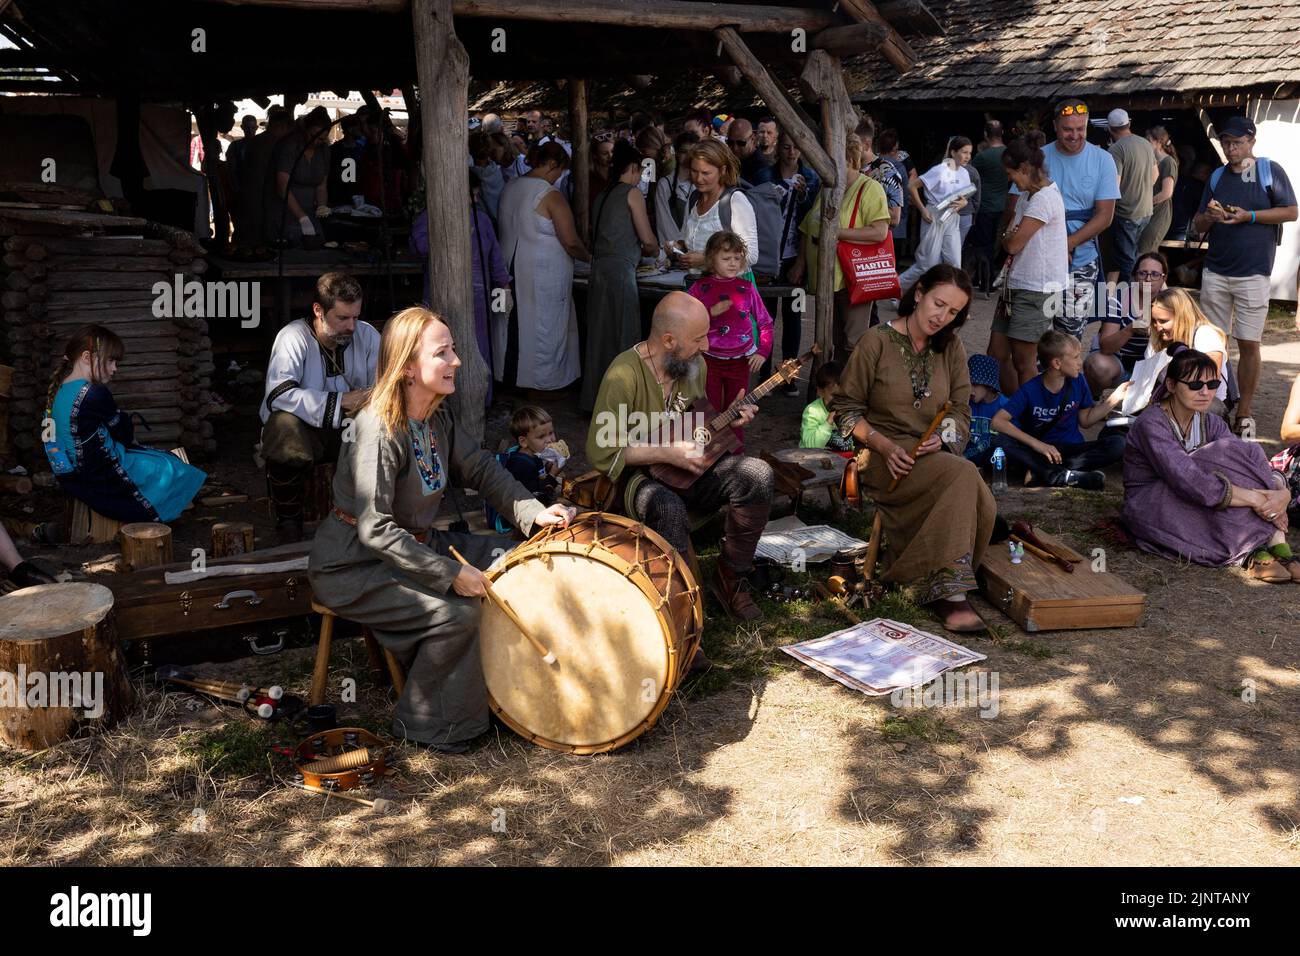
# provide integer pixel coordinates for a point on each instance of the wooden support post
(581, 155)
(146, 544)
(762, 81)
(895, 49)
(824, 76)
(442, 68)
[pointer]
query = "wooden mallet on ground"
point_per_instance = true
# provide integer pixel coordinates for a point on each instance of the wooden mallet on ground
(509, 612)
(877, 523)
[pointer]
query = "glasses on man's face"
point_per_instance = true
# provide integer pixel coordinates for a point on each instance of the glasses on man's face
(738, 142)
(1079, 110)
(1213, 384)
(1148, 276)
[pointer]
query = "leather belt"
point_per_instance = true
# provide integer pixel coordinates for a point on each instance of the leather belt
(420, 536)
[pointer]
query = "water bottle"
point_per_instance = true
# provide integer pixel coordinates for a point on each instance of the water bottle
(998, 462)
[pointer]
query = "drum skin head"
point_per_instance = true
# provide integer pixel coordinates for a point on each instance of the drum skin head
(612, 653)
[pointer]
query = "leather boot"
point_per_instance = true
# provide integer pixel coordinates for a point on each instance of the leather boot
(745, 524)
(285, 485)
(26, 575)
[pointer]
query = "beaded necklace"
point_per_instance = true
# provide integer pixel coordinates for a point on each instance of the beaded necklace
(424, 447)
(918, 366)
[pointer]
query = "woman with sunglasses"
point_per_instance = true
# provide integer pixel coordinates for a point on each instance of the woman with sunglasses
(1195, 491)
(1125, 331)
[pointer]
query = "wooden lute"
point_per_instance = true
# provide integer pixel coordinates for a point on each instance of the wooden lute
(714, 435)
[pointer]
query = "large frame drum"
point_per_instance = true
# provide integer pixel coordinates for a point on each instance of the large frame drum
(622, 613)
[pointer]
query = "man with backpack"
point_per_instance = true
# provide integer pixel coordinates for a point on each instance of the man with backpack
(1242, 210)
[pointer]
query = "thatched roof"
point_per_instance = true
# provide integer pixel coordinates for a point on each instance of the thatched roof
(1005, 51)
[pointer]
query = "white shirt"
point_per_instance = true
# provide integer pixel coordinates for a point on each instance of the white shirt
(665, 226)
(699, 229)
(298, 362)
(1043, 265)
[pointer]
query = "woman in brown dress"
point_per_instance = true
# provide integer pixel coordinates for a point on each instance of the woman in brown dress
(938, 521)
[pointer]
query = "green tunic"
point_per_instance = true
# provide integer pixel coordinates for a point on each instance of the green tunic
(377, 573)
(938, 521)
(629, 410)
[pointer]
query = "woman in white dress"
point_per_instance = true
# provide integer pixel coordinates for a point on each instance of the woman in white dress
(940, 235)
(539, 242)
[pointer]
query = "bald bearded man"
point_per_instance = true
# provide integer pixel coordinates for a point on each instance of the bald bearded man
(663, 376)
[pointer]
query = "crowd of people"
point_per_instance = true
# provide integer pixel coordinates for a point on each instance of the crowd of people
(731, 203)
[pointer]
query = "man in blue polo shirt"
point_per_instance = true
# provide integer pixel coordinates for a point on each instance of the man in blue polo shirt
(1089, 184)
(1252, 198)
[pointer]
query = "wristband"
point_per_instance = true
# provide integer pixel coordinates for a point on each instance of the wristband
(1252, 215)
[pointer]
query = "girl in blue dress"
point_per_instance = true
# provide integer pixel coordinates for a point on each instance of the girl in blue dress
(91, 444)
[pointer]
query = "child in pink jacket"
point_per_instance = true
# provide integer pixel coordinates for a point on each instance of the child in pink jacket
(740, 330)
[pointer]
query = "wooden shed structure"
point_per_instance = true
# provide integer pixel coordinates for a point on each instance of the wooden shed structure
(207, 52)
(1193, 61)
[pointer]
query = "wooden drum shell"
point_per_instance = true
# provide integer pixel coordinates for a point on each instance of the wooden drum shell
(607, 552)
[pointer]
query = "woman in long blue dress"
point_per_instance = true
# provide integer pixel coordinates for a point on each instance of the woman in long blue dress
(91, 444)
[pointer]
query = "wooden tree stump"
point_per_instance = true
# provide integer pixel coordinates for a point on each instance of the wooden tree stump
(146, 544)
(58, 646)
(231, 537)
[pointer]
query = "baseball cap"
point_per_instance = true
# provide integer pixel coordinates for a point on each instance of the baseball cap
(984, 370)
(1237, 126)
(1117, 119)
(719, 120)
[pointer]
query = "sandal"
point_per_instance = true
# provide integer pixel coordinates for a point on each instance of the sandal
(1292, 566)
(958, 616)
(1268, 569)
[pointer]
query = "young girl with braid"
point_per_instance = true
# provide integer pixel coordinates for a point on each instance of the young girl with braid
(91, 444)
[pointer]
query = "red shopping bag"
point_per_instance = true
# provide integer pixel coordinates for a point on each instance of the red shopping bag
(869, 269)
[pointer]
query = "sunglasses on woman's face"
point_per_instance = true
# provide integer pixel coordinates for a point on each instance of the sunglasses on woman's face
(1213, 385)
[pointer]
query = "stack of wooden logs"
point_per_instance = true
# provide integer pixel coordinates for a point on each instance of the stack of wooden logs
(65, 269)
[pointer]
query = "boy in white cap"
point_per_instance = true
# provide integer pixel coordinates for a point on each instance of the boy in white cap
(1138, 171)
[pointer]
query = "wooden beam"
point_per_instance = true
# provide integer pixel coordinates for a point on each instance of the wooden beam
(895, 48)
(442, 70)
(850, 40)
(581, 155)
(911, 15)
(663, 14)
(775, 98)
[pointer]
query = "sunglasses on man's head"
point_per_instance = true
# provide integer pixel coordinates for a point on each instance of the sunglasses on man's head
(1079, 110)
(605, 137)
(1213, 384)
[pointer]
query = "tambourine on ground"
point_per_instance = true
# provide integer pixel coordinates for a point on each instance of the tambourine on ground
(623, 615)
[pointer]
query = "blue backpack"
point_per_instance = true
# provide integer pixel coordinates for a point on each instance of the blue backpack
(494, 519)
(1264, 172)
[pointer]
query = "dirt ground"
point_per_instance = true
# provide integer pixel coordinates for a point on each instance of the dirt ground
(1169, 743)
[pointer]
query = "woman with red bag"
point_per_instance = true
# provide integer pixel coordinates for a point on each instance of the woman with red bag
(864, 223)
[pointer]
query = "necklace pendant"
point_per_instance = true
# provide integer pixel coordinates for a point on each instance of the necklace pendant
(917, 403)
(927, 393)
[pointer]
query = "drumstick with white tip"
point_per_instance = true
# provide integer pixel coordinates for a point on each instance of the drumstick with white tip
(509, 612)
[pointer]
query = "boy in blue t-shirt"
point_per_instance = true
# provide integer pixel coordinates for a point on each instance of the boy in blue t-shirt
(986, 400)
(1041, 423)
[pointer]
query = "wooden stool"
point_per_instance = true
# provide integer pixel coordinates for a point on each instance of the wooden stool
(320, 675)
(146, 544)
(86, 526)
(231, 537)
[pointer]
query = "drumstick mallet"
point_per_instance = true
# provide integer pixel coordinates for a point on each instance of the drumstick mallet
(877, 523)
(547, 656)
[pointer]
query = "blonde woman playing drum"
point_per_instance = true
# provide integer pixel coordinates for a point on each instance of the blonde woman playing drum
(375, 559)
